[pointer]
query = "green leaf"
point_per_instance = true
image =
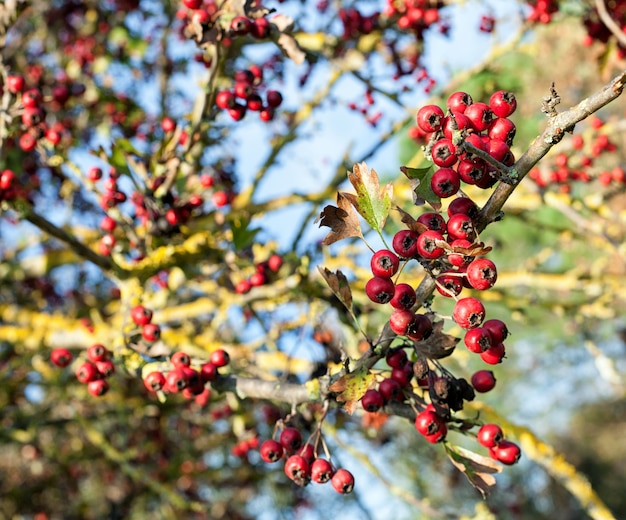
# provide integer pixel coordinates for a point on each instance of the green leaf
(372, 202)
(420, 184)
(243, 235)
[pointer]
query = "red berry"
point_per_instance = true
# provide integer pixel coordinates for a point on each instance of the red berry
(433, 221)
(429, 118)
(140, 315)
(342, 481)
(97, 352)
(463, 205)
(97, 387)
(480, 115)
(498, 330)
(271, 451)
(461, 226)
(31, 98)
(489, 435)
(404, 297)
(192, 4)
(449, 285)
(405, 243)
(15, 83)
(396, 357)
(261, 28)
(297, 469)
(502, 103)
(390, 389)
(506, 452)
(483, 381)
(494, 354)
(168, 124)
(468, 313)
(208, 372)
(241, 25)
(428, 245)
(61, 357)
(87, 372)
(459, 101)
(439, 435)
(380, 290)
(274, 98)
(154, 381)
(225, 99)
(291, 439)
(384, 263)
(321, 471)
(176, 380)
(461, 121)
(243, 287)
(94, 173)
(478, 340)
(106, 367)
(179, 359)
(219, 358)
(458, 258)
(151, 332)
(445, 182)
(472, 172)
(501, 152)
(420, 328)
(401, 320)
(502, 129)
(372, 401)
(482, 274)
(444, 153)
(428, 422)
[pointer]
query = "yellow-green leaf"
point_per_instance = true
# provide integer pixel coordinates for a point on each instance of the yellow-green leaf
(372, 202)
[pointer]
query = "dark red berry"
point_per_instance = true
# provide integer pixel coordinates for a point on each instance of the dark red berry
(405, 243)
(274, 98)
(241, 25)
(428, 245)
(483, 381)
(404, 297)
(390, 389)
(463, 205)
(380, 290)
(401, 320)
(208, 372)
(372, 401)
(384, 263)
(498, 330)
(396, 357)
(271, 451)
(291, 439)
(461, 226)
(433, 221)
(449, 285)
(445, 182)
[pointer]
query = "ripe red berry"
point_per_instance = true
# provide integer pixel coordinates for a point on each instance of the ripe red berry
(176, 380)
(401, 320)
(243, 287)
(151, 332)
(61, 357)
(274, 98)
(380, 290)
(297, 469)
(390, 389)
(482, 274)
(219, 358)
(461, 226)
(460, 121)
(97, 387)
(478, 340)
(468, 312)
(428, 422)
(506, 452)
(321, 471)
(444, 153)
(498, 330)
(384, 263)
(463, 205)
(97, 352)
(445, 182)
(501, 152)
(433, 221)
(396, 357)
(449, 285)
(32, 98)
(140, 315)
(87, 372)
(168, 124)
(428, 245)
(420, 328)
(94, 173)
(439, 435)
(459, 101)
(15, 83)
(225, 99)
(154, 381)
(405, 243)
(342, 481)
(179, 359)
(502, 129)
(494, 354)
(480, 115)
(192, 4)
(489, 435)
(483, 381)
(372, 400)
(274, 263)
(271, 451)
(472, 172)
(261, 28)
(291, 439)
(404, 297)
(106, 367)
(429, 118)
(502, 103)
(208, 372)
(241, 25)
(458, 258)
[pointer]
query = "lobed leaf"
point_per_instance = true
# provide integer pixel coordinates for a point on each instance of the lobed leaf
(372, 202)
(341, 219)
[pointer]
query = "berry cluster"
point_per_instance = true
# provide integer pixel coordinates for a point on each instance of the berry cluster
(597, 31)
(585, 163)
(490, 436)
(93, 372)
(262, 274)
(302, 464)
(246, 96)
(542, 10)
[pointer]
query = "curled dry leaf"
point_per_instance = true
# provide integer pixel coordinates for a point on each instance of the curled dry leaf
(288, 44)
(342, 221)
(339, 285)
(438, 345)
(410, 222)
(478, 469)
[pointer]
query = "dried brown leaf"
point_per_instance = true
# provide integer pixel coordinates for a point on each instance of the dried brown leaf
(438, 345)
(410, 222)
(342, 220)
(478, 469)
(339, 285)
(288, 44)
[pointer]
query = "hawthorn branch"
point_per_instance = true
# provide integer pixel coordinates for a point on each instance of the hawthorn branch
(610, 23)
